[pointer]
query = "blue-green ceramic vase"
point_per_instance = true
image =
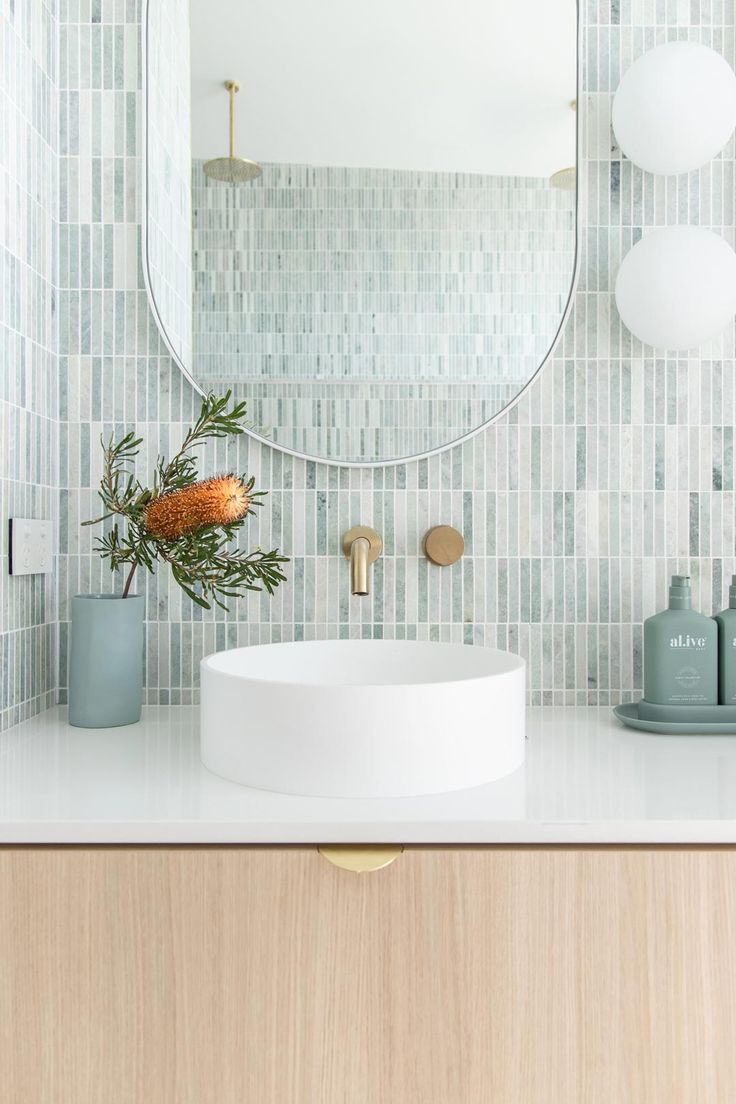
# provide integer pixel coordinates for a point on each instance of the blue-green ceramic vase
(106, 664)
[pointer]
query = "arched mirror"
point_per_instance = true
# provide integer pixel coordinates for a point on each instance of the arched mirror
(362, 218)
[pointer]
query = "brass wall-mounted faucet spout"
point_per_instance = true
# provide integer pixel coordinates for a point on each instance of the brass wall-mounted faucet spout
(362, 546)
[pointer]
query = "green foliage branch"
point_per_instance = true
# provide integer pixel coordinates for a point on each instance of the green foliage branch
(202, 562)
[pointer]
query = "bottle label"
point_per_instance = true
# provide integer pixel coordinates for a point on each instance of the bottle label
(681, 662)
(694, 643)
(687, 678)
(688, 688)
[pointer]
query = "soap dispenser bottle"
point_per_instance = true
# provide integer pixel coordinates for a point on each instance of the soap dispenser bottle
(726, 622)
(681, 652)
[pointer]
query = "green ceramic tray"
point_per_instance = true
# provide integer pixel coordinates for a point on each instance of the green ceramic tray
(629, 715)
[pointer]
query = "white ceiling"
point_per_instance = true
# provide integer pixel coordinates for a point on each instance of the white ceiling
(463, 85)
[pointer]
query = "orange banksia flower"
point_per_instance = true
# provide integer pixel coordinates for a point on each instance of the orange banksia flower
(218, 501)
(192, 527)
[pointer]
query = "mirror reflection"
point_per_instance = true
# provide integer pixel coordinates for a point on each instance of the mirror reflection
(381, 207)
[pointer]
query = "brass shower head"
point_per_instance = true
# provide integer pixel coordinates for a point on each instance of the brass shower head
(232, 169)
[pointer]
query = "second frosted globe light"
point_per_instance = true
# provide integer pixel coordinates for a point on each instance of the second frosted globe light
(676, 289)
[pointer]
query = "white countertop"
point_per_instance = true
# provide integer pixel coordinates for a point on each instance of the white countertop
(586, 780)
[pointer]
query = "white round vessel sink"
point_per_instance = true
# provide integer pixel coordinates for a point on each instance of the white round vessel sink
(362, 718)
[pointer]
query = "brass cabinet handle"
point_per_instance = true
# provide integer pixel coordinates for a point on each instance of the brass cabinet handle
(360, 858)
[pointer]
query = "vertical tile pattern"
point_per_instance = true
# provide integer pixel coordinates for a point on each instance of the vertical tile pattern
(389, 311)
(614, 470)
(28, 362)
(364, 421)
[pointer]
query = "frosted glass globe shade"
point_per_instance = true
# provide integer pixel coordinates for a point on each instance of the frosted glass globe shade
(676, 289)
(675, 108)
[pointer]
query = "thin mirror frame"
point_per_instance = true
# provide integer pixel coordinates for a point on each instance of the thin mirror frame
(334, 462)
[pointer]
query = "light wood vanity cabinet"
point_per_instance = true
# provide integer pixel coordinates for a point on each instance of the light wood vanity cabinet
(230, 975)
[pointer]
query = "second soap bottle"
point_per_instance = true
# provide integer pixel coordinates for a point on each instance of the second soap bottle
(726, 621)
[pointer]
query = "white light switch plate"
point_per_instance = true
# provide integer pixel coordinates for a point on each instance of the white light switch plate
(30, 546)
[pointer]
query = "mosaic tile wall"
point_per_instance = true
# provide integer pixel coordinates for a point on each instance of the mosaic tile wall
(364, 421)
(169, 222)
(615, 469)
(378, 274)
(377, 278)
(28, 367)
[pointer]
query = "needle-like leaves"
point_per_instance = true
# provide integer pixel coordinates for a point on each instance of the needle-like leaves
(203, 563)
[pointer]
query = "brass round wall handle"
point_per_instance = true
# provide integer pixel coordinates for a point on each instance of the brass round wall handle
(360, 858)
(443, 545)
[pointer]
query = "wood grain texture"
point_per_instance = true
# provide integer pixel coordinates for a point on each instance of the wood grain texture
(458, 976)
